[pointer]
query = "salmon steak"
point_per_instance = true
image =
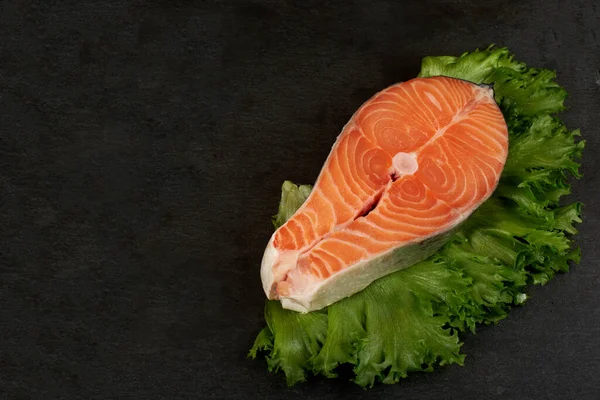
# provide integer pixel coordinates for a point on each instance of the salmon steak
(413, 162)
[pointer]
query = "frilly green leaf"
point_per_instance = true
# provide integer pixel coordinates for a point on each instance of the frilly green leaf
(410, 320)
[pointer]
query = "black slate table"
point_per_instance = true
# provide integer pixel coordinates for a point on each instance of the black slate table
(142, 149)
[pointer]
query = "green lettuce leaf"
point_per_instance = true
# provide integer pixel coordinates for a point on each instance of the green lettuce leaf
(411, 320)
(292, 197)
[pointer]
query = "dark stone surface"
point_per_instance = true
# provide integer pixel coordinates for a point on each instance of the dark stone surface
(142, 148)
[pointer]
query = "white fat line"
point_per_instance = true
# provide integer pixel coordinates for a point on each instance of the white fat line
(327, 266)
(290, 233)
(412, 102)
(302, 232)
(351, 244)
(337, 188)
(475, 149)
(494, 134)
(434, 101)
(338, 160)
(421, 219)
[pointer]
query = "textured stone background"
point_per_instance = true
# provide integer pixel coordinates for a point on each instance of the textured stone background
(142, 148)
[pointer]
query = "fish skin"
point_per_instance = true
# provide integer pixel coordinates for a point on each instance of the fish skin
(360, 275)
